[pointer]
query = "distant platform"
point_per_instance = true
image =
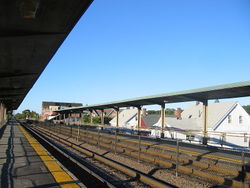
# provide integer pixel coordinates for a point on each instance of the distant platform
(25, 163)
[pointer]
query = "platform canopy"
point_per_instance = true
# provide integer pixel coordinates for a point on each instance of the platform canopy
(240, 89)
(31, 31)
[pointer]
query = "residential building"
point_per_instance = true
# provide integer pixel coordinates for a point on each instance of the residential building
(49, 107)
(227, 123)
(128, 118)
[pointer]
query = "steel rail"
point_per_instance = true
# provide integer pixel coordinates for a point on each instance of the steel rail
(83, 173)
(149, 180)
(198, 164)
(183, 169)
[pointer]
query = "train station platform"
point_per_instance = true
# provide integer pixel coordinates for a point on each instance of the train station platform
(25, 163)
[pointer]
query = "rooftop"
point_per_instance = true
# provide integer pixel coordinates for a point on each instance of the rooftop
(239, 89)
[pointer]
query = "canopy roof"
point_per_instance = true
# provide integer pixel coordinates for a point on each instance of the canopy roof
(31, 31)
(240, 89)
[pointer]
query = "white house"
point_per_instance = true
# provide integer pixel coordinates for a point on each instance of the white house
(126, 119)
(227, 122)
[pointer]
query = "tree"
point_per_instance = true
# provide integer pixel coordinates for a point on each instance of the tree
(96, 120)
(168, 111)
(86, 119)
(153, 112)
(247, 108)
(20, 116)
(27, 114)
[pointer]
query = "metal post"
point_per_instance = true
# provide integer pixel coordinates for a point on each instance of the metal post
(71, 131)
(205, 109)
(139, 135)
(162, 120)
(78, 133)
(55, 125)
(102, 117)
(60, 127)
(79, 124)
(177, 155)
(91, 117)
(102, 124)
(243, 166)
(1, 114)
(117, 124)
(64, 118)
(75, 123)
(81, 121)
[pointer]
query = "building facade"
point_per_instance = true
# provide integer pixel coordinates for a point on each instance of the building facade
(49, 107)
(227, 122)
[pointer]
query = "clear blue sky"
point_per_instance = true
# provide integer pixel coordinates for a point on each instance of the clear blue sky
(122, 49)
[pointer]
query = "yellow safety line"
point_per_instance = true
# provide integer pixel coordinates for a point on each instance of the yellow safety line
(59, 174)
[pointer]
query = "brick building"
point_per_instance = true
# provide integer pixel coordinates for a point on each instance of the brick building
(49, 107)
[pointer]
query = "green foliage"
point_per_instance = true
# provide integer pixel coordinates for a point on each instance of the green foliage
(86, 119)
(20, 116)
(96, 120)
(247, 108)
(168, 111)
(153, 111)
(27, 114)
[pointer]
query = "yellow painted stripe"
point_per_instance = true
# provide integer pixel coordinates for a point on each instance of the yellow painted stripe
(190, 152)
(58, 173)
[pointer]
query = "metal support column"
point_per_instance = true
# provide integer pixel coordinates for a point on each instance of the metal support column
(1, 114)
(102, 117)
(162, 119)
(5, 114)
(177, 156)
(91, 116)
(64, 118)
(60, 125)
(81, 121)
(71, 131)
(101, 127)
(117, 125)
(205, 109)
(138, 130)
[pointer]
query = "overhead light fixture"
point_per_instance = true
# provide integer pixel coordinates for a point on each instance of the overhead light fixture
(28, 8)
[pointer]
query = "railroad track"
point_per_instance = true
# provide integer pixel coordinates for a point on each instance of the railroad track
(224, 176)
(42, 136)
(84, 172)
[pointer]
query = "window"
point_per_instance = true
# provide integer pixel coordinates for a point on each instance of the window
(190, 137)
(245, 137)
(229, 119)
(240, 119)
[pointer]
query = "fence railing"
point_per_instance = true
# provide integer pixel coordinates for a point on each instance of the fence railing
(239, 140)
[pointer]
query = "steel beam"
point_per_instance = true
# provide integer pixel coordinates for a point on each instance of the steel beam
(162, 120)
(91, 116)
(102, 117)
(110, 113)
(139, 135)
(117, 125)
(205, 121)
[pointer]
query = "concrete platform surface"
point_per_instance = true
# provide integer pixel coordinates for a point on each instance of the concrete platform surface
(25, 163)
